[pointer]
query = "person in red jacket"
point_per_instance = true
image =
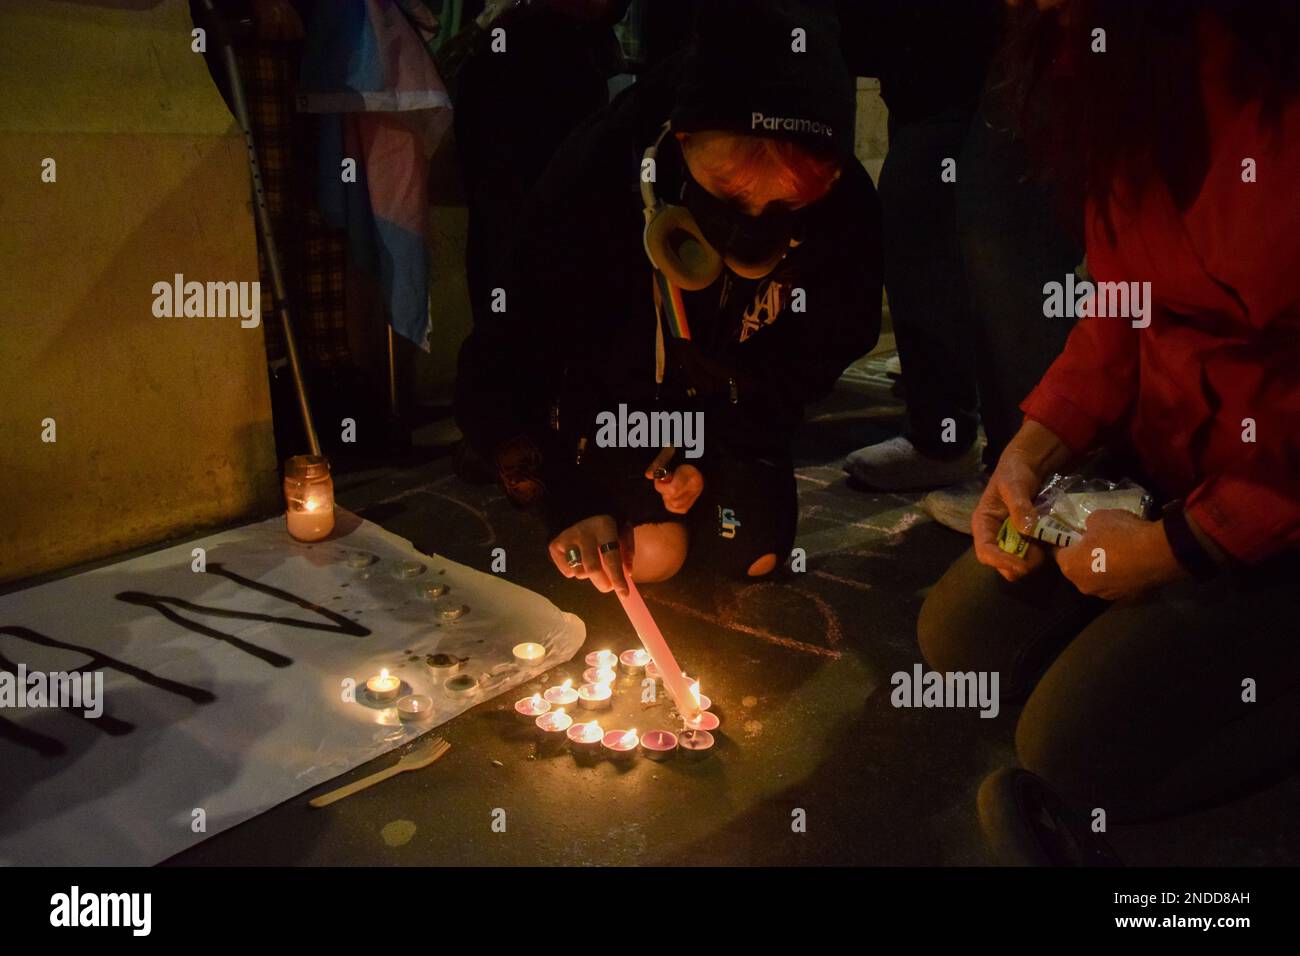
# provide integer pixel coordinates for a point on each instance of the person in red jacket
(1161, 659)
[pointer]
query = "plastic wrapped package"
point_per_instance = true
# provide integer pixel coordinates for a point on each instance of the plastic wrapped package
(1064, 504)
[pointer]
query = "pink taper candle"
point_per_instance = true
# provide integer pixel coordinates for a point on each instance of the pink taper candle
(653, 639)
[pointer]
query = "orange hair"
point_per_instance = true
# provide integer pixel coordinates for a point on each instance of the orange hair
(748, 165)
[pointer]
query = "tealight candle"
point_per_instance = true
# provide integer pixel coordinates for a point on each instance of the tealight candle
(599, 675)
(595, 696)
(562, 695)
(360, 559)
(531, 707)
(634, 660)
(462, 685)
(585, 738)
(620, 744)
(695, 744)
(529, 652)
(415, 707)
(659, 744)
(706, 720)
(554, 726)
(602, 659)
(408, 569)
(443, 665)
(383, 686)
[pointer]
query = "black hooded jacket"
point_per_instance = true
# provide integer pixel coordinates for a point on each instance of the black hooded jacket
(577, 334)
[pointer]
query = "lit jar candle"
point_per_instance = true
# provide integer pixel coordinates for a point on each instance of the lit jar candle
(415, 707)
(634, 660)
(620, 744)
(562, 695)
(599, 675)
(531, 708)
(383, 686)
(309, 497)
(659, 744)
(602, 659)
(553, 727)
(695, 744)
(595, 696)
(528, 653)
(584, 739)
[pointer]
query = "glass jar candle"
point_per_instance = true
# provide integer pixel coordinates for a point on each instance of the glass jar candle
(309, 495)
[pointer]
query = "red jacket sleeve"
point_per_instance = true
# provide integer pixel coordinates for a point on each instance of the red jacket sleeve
(1092, 385)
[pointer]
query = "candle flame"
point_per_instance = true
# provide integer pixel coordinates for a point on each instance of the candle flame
(311, 504)
(559, 712)
(383, 673)
(536, 699)
(695, 694)
(629, 738)
(568, 683)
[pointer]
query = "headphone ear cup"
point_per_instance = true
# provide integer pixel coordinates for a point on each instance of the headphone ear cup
(678, 249)
(756, 270)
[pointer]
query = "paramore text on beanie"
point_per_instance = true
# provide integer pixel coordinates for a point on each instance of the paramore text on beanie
(750, 71)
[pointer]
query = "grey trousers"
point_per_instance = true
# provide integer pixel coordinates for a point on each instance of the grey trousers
(1134, 706)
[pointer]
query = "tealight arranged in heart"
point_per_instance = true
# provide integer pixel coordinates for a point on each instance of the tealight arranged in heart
(695, 744)
(431, 590)
(620, 744)
(634, 660)
(599, 675)
(408, 569)
(659, 744)
(532, 707)
(562, 695)
(602, 659)
(552, 728)
(595, 696)
(705, 720)
(585, 739)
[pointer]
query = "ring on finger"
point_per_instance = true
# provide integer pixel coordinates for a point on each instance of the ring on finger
(608, 546)
(573, 558)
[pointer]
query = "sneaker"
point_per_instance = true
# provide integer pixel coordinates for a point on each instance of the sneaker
(898, 465)
(1029, 824)
(953, 507)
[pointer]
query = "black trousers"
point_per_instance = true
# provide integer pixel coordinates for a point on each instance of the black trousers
(1137, 706)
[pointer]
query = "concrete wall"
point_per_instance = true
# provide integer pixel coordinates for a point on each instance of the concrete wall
(162, 425)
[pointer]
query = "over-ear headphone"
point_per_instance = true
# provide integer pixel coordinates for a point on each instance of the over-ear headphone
(673, 240)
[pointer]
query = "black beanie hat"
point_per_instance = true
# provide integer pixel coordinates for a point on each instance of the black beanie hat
(743, 73)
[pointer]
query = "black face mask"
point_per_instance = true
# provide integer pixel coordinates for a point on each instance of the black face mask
(750, 245)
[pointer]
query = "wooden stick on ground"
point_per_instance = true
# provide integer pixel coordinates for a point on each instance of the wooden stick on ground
(420, 757)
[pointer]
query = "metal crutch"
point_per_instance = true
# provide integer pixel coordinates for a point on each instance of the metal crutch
(240, 106)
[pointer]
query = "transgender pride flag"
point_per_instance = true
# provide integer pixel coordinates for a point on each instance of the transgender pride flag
(367, 71)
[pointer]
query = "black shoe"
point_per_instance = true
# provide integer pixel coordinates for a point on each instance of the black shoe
(1029, 824)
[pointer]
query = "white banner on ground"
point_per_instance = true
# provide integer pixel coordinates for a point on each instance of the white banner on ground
(225, 690)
